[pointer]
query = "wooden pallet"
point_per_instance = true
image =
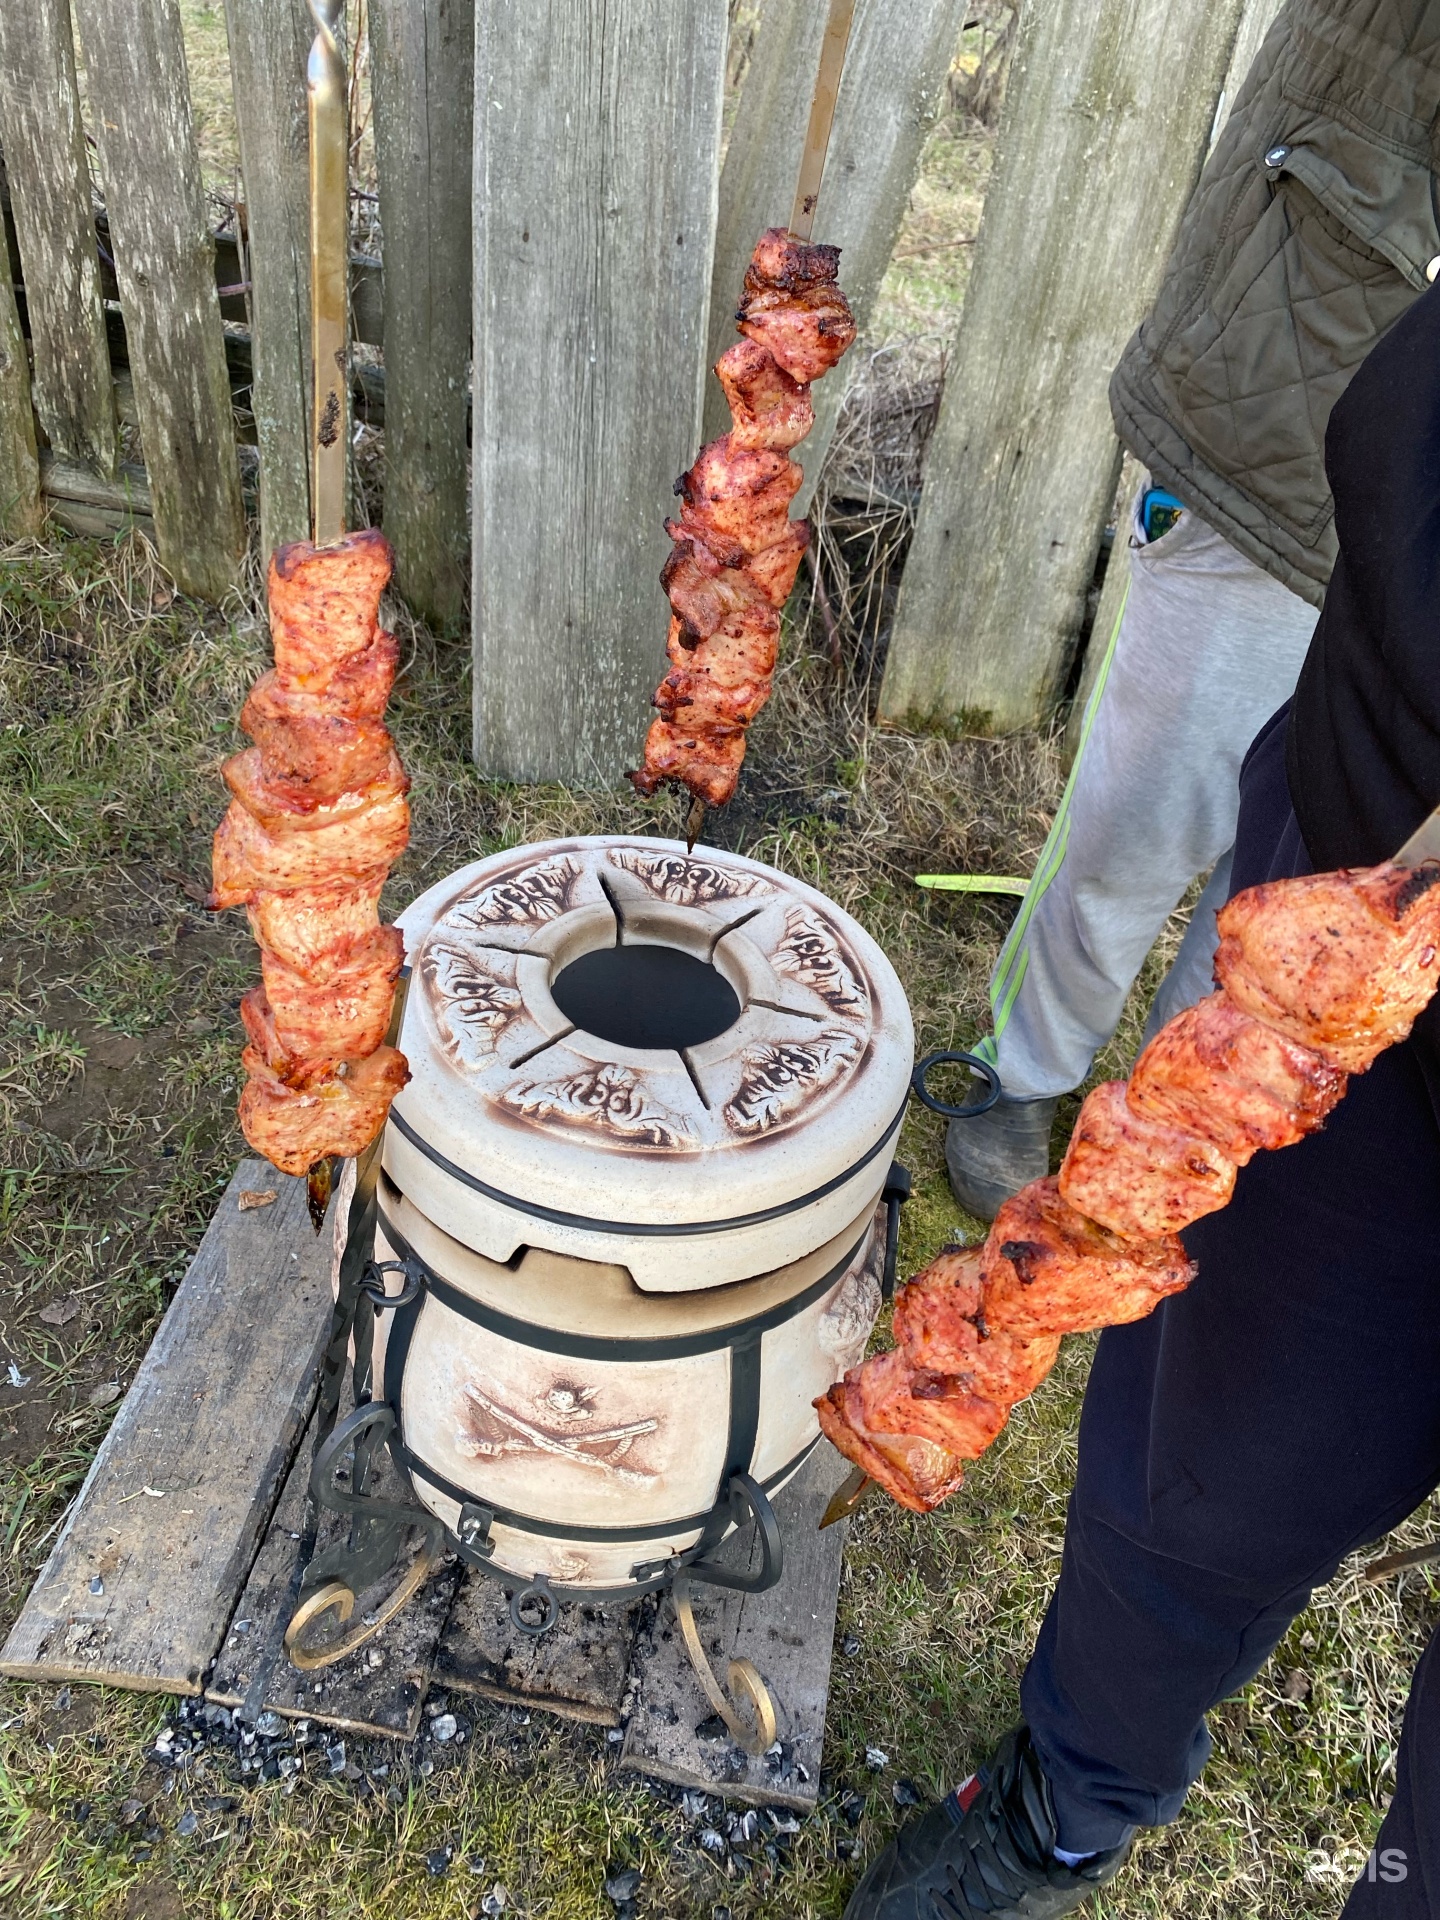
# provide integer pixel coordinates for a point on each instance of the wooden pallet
(175, 1570)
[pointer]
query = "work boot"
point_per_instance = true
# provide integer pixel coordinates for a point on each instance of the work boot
(988, 1850)
(996, 1153)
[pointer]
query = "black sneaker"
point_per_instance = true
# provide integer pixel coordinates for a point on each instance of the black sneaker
(986, 1850)
(997, 1152)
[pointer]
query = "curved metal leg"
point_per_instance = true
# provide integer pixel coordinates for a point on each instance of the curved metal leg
(742, 1676)
(337, 1597)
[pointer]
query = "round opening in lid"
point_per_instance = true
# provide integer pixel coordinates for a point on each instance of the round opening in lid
(645, 996)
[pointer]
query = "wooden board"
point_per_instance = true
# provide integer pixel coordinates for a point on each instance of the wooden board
(895, 66)
(1255, 23)
(787, 1632)
(269, 43)
(423, 82)
(49, 182)
(597, 126)
(164, 259)
(1107, 116)
(380, 1687)
(578, 1670)
(140, 1587)
(20, 511)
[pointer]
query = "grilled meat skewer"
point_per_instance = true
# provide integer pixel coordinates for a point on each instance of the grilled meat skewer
(1317, 975)
(736, 548)
(318, 814)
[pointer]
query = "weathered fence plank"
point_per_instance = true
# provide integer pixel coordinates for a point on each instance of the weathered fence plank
(20, 511)
(164, 259)
(1106, 119)
(423, 81)
(269, 42)
(1255, 23)
(895, 67)
(597, 126)
(49, 181)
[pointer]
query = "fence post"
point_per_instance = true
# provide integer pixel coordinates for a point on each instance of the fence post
(269, 43)
(21, 514)
(1105, 124)
(45, 164)
(1255, 23)
(422, 75)
(899, 54)
(165, 266)
(597, 126)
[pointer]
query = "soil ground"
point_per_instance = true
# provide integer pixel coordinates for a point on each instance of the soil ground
(118, 1073)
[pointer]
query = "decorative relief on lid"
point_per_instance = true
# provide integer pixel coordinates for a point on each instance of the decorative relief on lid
(558, 1422)
(474, 996)
(809, 951)
(603, 1099)
(686, 882)
(779, 1078)
(536, 893)
(812, 1008)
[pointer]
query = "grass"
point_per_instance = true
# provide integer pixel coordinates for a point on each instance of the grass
(118, 1053)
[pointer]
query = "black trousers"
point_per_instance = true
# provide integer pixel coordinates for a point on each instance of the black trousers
(1237, 1444)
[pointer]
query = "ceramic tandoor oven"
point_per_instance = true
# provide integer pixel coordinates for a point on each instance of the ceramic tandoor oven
(631, 1198)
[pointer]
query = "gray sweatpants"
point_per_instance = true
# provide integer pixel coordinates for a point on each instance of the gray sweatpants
(1206, 648)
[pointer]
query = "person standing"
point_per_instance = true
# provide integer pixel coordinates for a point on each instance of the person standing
(1283, 1411)
(1311, 230)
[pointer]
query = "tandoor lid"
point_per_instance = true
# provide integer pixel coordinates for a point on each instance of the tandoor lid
(620, 1031)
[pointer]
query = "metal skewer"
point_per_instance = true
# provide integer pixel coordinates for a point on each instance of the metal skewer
(822, 116)
(329, 122)
(329, 262)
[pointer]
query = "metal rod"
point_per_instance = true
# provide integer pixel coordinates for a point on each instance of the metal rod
(822, 115)
(329, 261)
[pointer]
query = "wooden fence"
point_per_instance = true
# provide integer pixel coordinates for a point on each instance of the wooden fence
(550, 191)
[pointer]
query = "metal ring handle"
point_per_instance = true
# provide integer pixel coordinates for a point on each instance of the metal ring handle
(372, 1283)
(537, 1594)
(976, 1065)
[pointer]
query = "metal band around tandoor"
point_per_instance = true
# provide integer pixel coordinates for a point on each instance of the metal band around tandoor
(594, 1346)
(640, 1229)
(598, 1536)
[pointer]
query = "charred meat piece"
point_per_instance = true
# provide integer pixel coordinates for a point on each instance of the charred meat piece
(704, 759)
(792, 306)
(1140, 1177)
(891, 1396)
(338, 1115)
(1342, 962)
(941, 1328)
(914, 1472)
(1234, 1081)
(768, 408)
(1049, 1269)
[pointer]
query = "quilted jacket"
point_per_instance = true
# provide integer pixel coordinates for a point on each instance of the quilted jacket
(1312, 228)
